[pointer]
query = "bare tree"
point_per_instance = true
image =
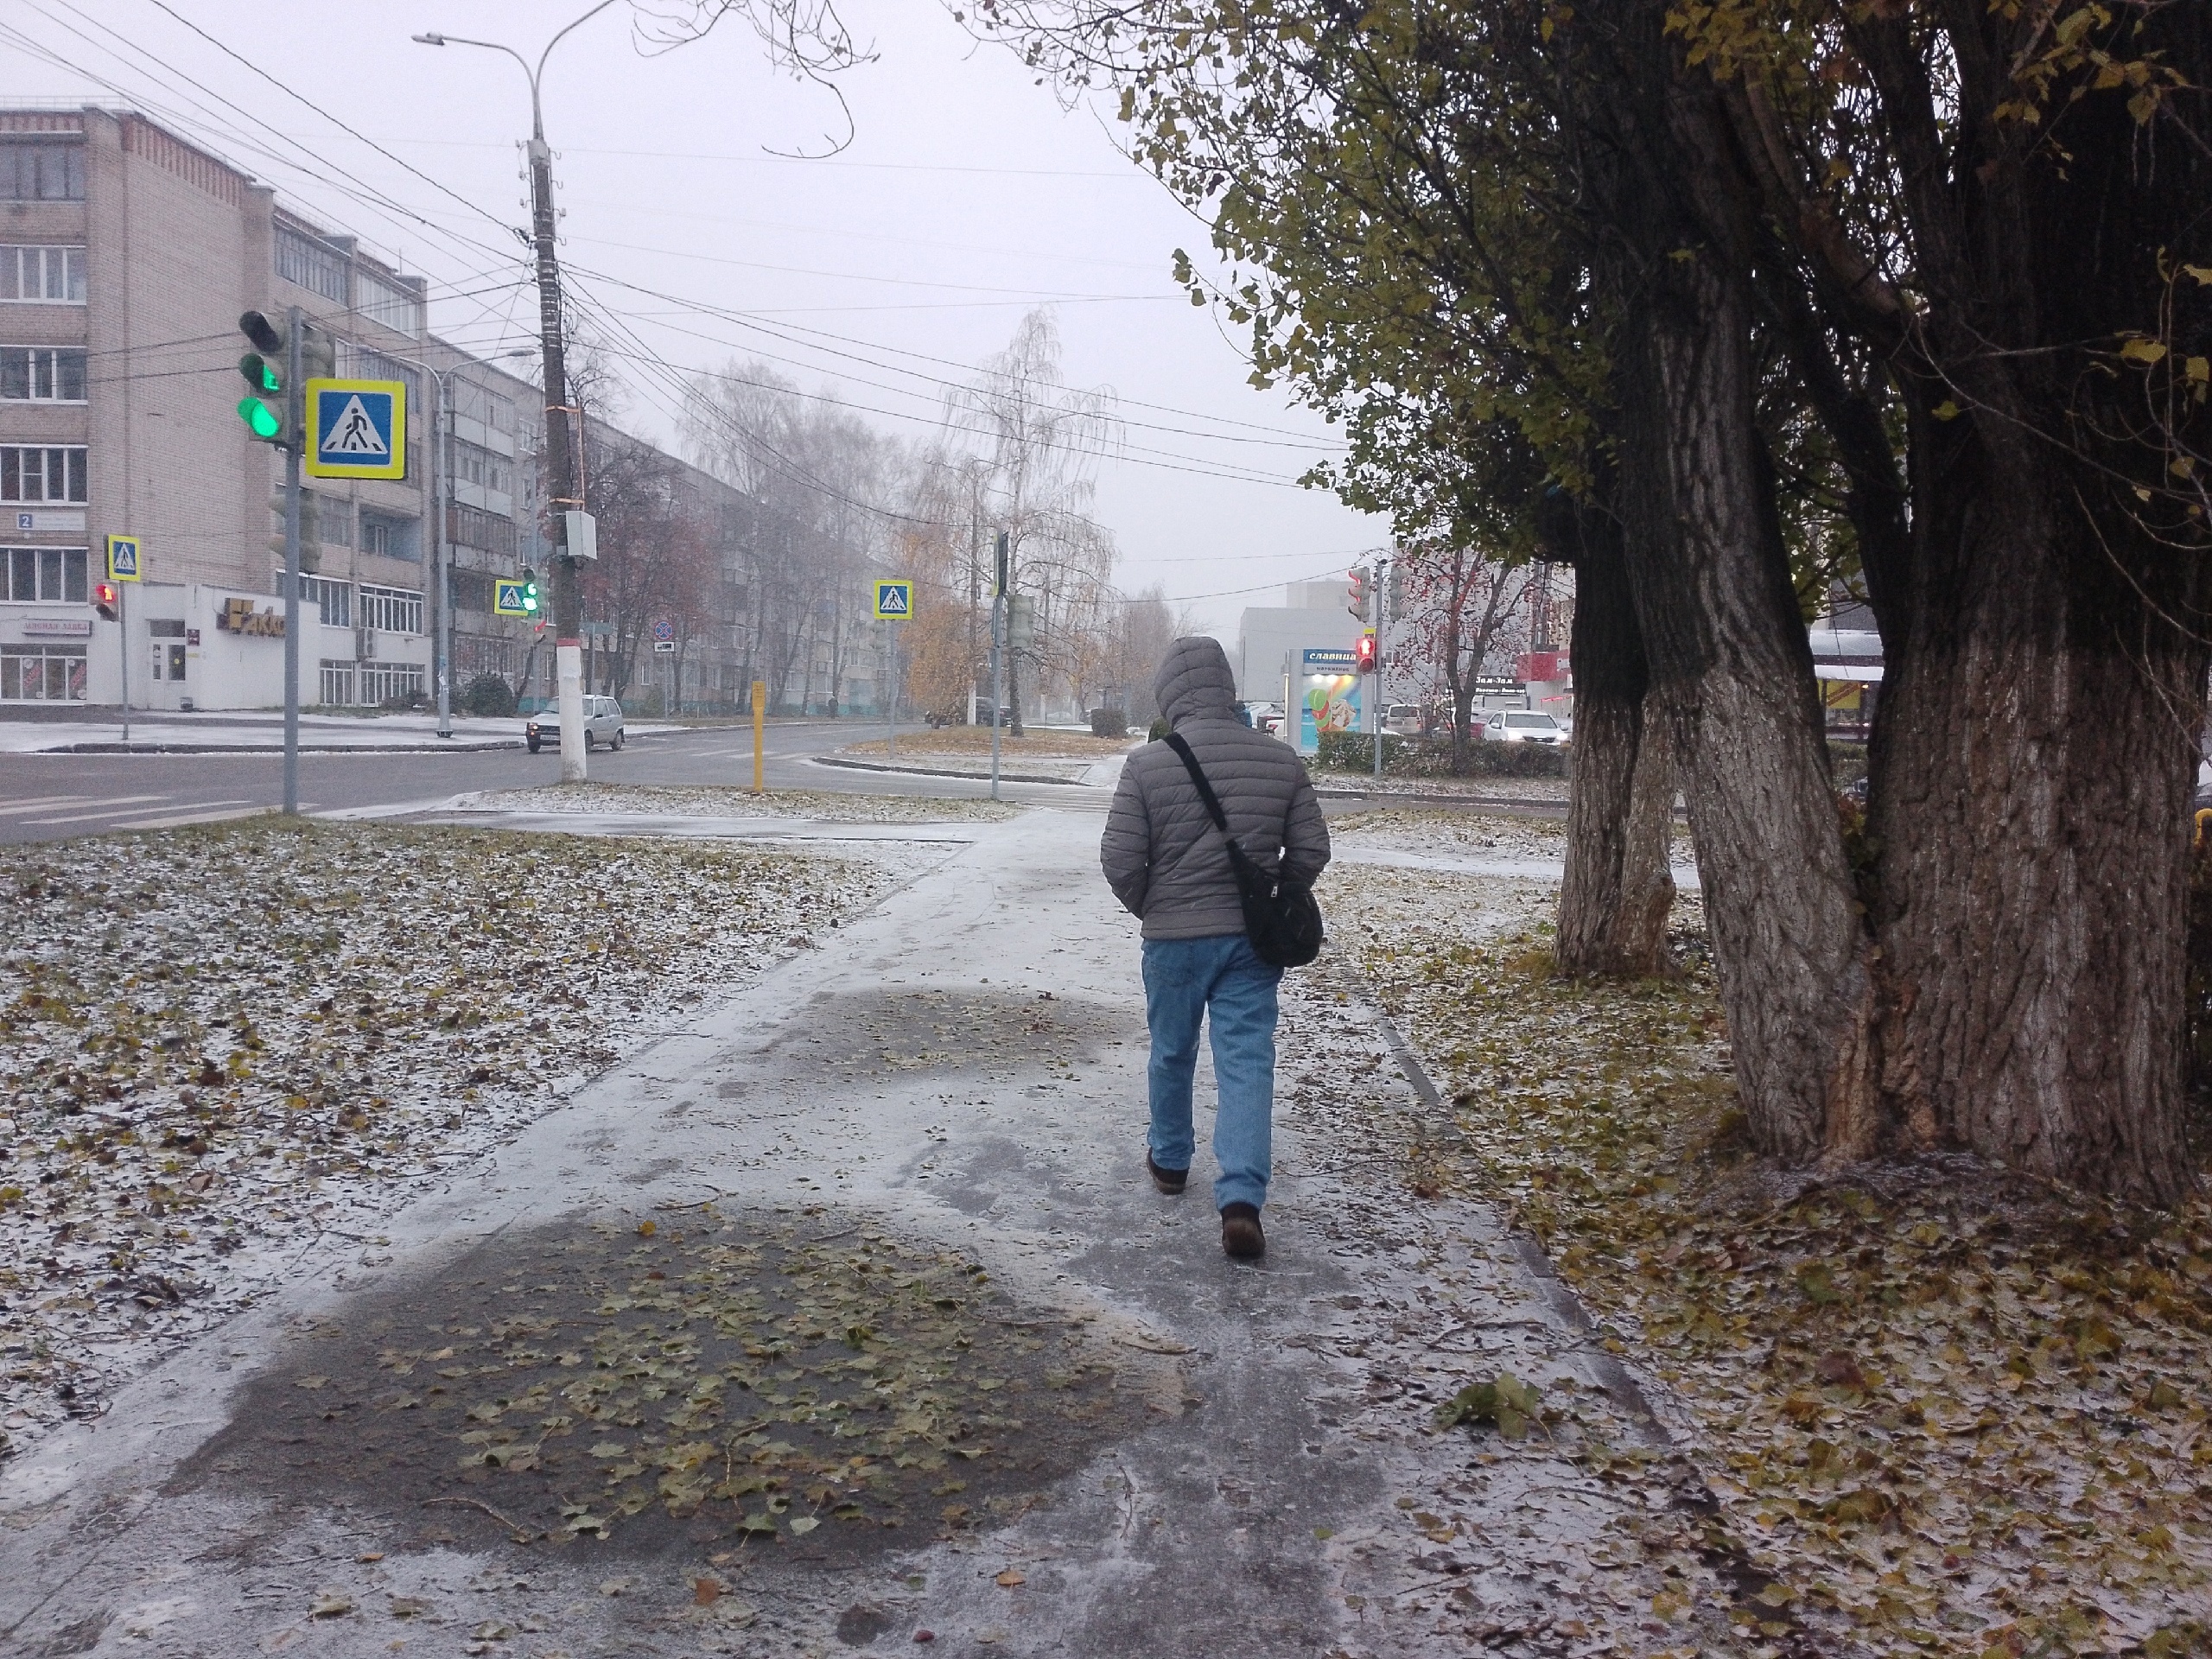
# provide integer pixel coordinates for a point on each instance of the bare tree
(1041, 440)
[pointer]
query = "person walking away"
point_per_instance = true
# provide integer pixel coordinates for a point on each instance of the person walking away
(1169, 867)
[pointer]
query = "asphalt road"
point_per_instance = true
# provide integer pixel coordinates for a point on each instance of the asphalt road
(51, 797)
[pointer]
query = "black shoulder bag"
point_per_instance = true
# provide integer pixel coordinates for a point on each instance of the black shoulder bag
(1281, 918)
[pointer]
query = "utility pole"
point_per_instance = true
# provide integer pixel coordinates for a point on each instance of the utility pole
(998, 657)
(560, 461)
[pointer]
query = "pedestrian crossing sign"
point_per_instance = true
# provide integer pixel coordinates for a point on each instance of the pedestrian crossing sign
(895, 601)
(124, 558)
(508, 599)
(357, 428)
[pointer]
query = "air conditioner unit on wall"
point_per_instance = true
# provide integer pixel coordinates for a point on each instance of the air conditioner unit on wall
(365, 645)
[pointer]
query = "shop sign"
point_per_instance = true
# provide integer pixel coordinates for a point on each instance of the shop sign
(56, 627)
(238, 616)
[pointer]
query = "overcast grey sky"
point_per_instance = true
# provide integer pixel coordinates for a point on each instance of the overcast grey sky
(967, 196)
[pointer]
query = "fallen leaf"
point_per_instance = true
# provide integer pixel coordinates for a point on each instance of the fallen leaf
(706, 1592)
(1009, 1578)
(330, 1604)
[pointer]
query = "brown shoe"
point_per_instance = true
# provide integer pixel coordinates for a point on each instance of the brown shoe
(1240, 1238)
(1169, 1181)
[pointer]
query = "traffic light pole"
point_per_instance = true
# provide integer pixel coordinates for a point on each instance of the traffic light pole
(294, 420)
(122, 633)
(1381, 566)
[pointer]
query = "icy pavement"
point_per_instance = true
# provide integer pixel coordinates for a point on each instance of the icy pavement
(839, 1316)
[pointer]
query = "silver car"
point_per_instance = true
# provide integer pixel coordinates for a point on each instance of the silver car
(602, 724)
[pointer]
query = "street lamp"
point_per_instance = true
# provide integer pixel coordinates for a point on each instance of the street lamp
(560, 462)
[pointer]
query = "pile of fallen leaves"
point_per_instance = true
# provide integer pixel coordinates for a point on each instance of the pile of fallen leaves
(753, 1379)
(1948, 1411)
(251, 1032)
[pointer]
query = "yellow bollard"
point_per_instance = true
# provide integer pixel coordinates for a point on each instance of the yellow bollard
(759, 734)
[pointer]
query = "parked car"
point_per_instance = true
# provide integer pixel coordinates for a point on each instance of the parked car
(1520, 725)
(1402, 719)
(602, 724)
(1260, 716)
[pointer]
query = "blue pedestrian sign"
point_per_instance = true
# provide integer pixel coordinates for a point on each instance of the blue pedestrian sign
(124, 558)
(895, 601)
(357, 428)
(512, 598)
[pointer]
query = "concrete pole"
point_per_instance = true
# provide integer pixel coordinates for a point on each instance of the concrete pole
(760, 735)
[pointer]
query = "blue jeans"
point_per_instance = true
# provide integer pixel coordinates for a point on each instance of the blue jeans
(1185, 980)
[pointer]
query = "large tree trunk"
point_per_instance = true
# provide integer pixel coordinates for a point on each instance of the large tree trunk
(1619, 889)
(1726, 650)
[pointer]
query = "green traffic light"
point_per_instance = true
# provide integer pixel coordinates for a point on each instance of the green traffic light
(260, 419)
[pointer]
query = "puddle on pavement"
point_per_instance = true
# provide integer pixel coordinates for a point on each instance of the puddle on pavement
(848, 1037)
(800, 1382)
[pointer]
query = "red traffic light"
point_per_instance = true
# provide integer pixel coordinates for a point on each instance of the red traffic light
(106, 596)
(1364, 653)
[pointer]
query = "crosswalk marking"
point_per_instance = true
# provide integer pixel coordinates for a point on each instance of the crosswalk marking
(110, 812)
(203, 812)
(46, 801)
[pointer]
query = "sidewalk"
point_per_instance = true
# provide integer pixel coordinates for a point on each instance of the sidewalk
(888, 1202)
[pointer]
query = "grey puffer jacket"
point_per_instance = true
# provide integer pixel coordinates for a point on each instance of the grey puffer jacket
(1161, 854)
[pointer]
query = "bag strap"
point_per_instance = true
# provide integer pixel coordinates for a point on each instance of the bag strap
(1176, 742)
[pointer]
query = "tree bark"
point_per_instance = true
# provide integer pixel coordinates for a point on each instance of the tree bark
(1618, 888)
(1726, 650)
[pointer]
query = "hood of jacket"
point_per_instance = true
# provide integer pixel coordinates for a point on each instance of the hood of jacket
(1194, 682)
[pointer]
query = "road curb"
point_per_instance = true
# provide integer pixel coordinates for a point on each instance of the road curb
(940, 771)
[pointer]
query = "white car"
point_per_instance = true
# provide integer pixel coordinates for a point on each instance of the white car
(1403, 719)
(1521, 726)
(602, 724)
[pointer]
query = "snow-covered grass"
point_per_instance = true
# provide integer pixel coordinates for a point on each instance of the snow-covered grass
(727, 801)
(1943, 1410)
(1487, 788)
(218, 1038)
(1411, 830)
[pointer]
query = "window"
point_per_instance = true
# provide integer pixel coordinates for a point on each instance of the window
(486, 468)
(33, 474)
(389, 537)
(42, 673)
(472, 590)
(481, 405)
(337, 690)
(333, 600)
(42, 374)
(362, 363)
(474, 527)
(55, 275)
(389, 681)
(387, 302)
(332, 517)
(41, 172)
(43, 575)
(303, 260)
(390, 610)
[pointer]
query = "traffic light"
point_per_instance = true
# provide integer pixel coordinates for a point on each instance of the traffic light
(263, 369)
(1356, 596)
(530, 591)
(1364, 653)
(107, 596)
(268, 409)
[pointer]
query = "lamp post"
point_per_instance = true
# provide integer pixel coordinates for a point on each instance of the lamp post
(560, 462)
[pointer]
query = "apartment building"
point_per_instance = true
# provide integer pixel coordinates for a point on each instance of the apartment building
(126, 256)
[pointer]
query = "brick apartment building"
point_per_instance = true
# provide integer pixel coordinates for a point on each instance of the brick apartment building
(127, 255)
